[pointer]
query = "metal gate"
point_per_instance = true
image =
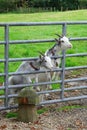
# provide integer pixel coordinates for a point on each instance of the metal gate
(6, 43)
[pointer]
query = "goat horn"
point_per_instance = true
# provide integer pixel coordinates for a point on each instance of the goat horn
(41, 53)
(63, 35)
(58, 35)
(56, 39)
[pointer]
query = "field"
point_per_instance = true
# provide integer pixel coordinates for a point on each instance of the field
(43, 32)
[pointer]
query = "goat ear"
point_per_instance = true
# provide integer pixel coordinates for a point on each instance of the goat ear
(40, 59)
(40, 56)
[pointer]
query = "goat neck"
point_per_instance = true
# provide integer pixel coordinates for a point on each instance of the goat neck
(54, 50)
(35, 65)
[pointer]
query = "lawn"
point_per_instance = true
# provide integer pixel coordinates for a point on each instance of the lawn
(43, 32)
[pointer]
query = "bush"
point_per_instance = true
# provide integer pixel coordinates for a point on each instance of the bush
(25, 6)
(7, 6)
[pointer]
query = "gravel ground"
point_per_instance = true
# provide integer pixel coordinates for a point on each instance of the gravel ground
(53, 119)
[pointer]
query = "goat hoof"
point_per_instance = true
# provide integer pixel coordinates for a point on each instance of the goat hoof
(47, 94)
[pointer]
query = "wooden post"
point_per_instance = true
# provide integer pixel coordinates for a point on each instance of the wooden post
(27, 101)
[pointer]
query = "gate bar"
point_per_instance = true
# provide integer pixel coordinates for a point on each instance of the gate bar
(6, 64)
(63, 65)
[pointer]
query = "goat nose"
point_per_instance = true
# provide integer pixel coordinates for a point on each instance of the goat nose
(70, 46)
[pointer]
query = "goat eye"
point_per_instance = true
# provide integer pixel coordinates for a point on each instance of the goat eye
(62, 41)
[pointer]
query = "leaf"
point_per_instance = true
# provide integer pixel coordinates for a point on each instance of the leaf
(2, 127)
(78, 122)
(32, 128)
(14, 126)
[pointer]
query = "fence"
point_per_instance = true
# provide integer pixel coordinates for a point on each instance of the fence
(6, 43)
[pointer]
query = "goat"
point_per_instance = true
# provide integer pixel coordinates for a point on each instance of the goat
(43, 61)
(62, 43)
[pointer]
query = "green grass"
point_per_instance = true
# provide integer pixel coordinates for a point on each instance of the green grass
(71, 107)
(42, 110)
(56, 86)
(1, 92)
(46, 16)
(43, 32)
(11, 115)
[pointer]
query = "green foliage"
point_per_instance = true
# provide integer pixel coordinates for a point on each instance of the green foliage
(24, 6)
(7, 6)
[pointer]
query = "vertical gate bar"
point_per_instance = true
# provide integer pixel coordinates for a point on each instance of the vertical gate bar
(6, 64)
(63, 64)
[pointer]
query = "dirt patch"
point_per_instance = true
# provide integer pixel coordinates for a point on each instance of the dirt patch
(55, 118)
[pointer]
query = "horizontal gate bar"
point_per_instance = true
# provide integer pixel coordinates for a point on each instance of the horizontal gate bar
(52, 82)
(65, 89)
(43, 71)
(51, 91)
(42, 23)
(39, 41)
(44, 83)
(48, 102)
(8, 107)
(35, 58)
(2, 96)
(63, 100)
(28, 41)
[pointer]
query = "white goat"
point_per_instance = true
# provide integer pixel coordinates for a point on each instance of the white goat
(26, 66)
(62, 43)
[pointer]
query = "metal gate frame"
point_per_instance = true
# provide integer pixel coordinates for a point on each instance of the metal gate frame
(6, 61)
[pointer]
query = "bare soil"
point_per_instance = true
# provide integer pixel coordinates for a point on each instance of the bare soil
(53, 119)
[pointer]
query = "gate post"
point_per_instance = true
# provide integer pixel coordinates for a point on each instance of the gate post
(27, 101)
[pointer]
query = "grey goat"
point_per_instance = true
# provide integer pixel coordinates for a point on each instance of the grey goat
(26, 66)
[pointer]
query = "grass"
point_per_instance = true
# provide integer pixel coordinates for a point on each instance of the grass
(11, 115)
(1, 92)
(43, 32)
(71, 107)
(42, 110)
(46, 16)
